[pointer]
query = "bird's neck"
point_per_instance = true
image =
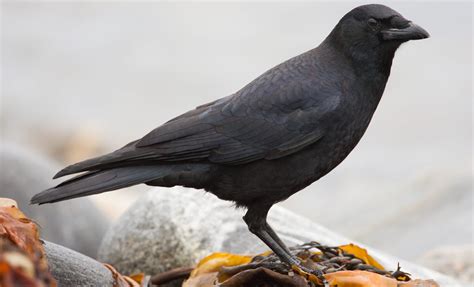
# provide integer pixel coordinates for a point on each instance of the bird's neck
(369, 74)
(370, 67)
(364, 60)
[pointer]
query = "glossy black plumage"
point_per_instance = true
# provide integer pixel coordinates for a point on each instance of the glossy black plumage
(278, 134)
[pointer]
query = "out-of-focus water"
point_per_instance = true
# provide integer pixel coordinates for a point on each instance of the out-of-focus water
(124, 68)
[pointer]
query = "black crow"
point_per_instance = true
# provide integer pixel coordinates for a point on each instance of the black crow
(275, 136)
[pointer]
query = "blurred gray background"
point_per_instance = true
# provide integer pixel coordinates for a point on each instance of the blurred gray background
(80, 79)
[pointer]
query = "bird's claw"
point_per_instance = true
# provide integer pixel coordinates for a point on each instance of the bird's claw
(314, 275)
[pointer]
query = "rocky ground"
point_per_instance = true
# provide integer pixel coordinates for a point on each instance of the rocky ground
(167, 228)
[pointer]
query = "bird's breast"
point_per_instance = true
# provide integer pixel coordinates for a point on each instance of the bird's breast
(344, 130)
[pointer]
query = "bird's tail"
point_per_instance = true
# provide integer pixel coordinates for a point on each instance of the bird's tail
(95, 182)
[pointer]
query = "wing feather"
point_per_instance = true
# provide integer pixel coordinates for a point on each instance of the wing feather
(278, 114)
(235, 132)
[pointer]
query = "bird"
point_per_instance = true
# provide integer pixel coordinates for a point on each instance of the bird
(280, 133)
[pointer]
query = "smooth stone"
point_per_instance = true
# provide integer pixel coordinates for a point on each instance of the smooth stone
(77, 224)
(456, 261)
(432, 199)
(168, 228)
(71, 268)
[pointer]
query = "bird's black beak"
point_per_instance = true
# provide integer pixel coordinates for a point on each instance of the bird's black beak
(410, 32)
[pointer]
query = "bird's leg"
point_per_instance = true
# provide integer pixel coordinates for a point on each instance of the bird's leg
(275, 237)
(296, 266)
(256, 220)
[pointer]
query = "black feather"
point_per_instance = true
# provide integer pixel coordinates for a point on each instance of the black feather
(106, 180)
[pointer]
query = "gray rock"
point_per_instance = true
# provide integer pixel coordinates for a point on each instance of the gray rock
(76, 224)
(456, 261)
(176, 227)
(434, 198)
(70, 268)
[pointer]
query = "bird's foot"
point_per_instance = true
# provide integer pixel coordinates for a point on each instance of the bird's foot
(312, 274)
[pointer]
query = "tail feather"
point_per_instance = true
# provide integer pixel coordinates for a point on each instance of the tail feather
(117, 158)
(103, 162)
(101, 181)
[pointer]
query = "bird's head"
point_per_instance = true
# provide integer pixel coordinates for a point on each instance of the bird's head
(374, 32)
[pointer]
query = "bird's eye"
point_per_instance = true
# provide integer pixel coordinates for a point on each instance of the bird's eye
(374, 24)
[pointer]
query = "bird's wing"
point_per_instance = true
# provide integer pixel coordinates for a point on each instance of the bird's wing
(279, 113)
(265, 120)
